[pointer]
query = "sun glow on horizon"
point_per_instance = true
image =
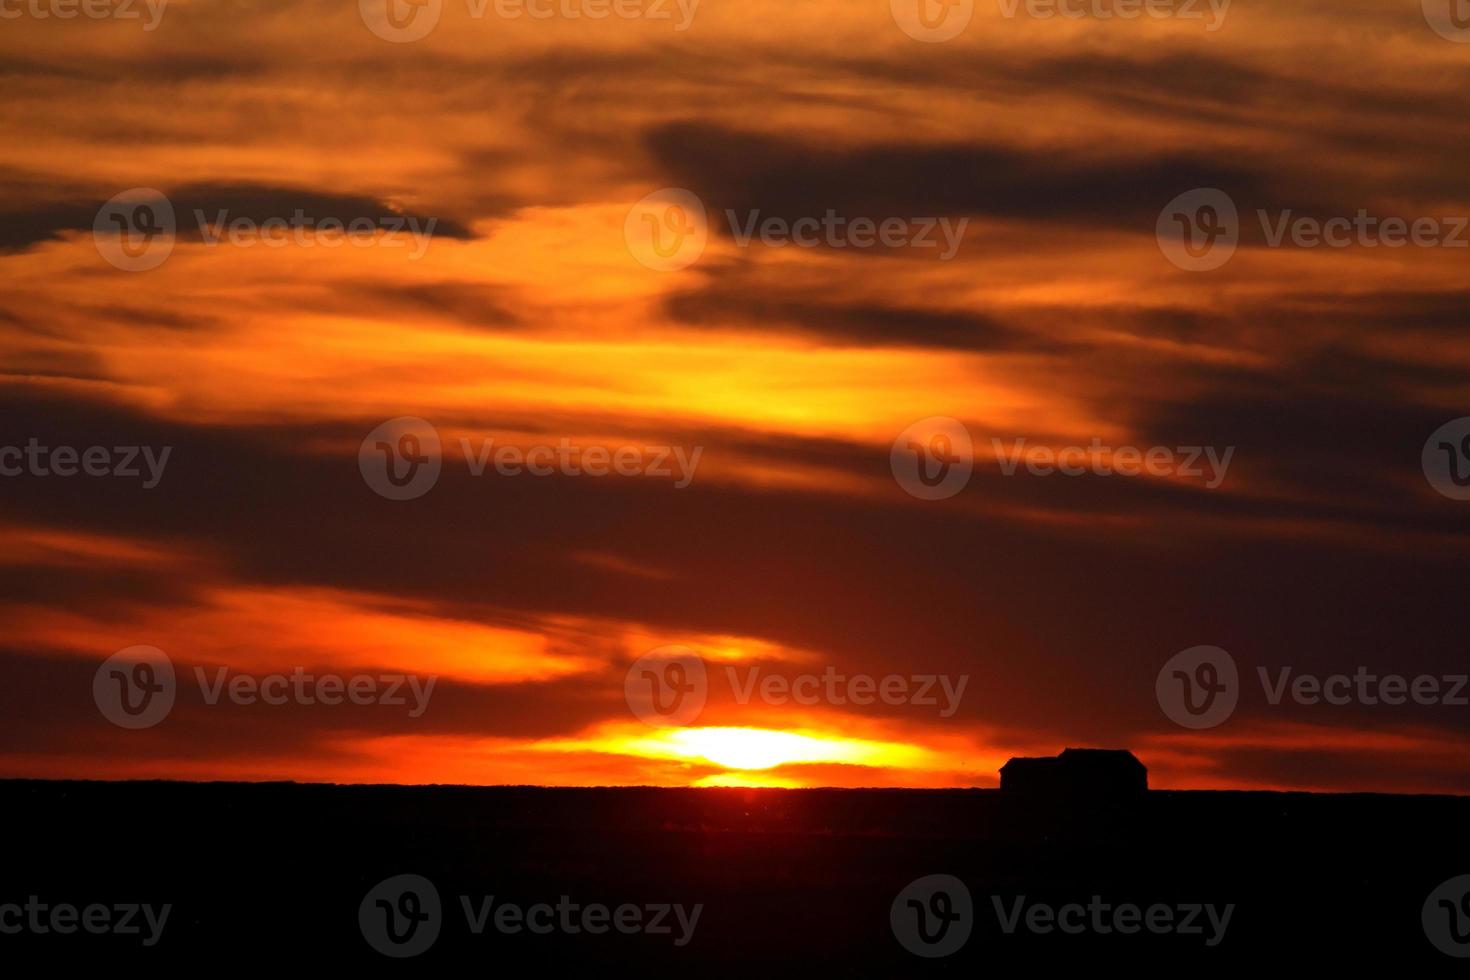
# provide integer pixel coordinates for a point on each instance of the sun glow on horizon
(744, 749)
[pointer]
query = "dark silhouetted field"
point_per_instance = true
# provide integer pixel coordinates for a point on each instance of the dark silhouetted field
(791, 882)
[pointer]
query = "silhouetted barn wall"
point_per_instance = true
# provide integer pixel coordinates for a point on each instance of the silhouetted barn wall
(1077, 771)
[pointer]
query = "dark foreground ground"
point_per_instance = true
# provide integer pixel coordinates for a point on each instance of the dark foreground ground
(788, 882)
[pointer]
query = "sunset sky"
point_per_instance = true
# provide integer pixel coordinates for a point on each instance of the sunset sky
(533, 316)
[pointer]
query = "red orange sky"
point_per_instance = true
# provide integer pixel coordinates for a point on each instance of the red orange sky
(528, 319)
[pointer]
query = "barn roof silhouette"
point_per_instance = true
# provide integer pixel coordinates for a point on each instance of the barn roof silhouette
(1088, 771)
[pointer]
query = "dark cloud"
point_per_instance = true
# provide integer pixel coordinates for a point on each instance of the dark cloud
(781, 177)
(49, 708)
(1059, 597)
(1404, 769)
(200, 206)
(873, 584)
(845, 322)
(464, 303)
(44, 222)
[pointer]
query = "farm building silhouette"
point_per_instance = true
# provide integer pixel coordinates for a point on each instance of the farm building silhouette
(1081, 772)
